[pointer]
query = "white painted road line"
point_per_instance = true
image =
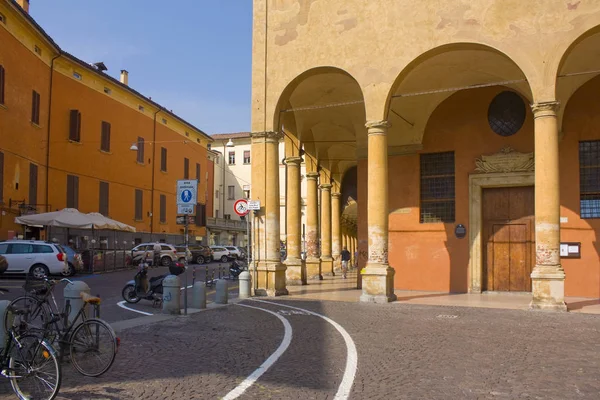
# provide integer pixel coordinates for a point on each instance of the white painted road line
(285, 343)
(122, 305)
(351, 361)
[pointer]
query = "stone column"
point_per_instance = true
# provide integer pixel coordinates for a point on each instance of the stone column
(313, 262)
(355, 250)
(293, 261)
(548, 276)
(378, 277)
(326, 259)
(269, 276)
(336, 231)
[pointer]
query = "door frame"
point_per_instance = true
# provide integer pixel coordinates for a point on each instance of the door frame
(478, 182)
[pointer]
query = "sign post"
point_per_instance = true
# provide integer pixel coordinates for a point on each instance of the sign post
(187, 192)
(253, 205)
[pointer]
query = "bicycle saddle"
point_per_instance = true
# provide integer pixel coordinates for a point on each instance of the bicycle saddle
(89, 299)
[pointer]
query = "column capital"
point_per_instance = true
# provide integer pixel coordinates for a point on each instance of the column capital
(377, 127)
(325, 187)
(295, 161)
(312, 176)
(268, 136)
(545, 109)
(336, 195)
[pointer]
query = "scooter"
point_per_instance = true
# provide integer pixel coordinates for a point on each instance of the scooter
(148, 289)
(236, 268)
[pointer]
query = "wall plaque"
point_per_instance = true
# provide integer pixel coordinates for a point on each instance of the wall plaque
(570, 250)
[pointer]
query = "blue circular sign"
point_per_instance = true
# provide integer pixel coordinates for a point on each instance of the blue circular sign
(186, 196)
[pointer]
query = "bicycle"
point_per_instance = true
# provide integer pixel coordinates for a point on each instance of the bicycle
(90, 344)
(30, 363)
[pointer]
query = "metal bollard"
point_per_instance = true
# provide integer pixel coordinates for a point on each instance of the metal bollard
(3, 306)
(221, 296)
(245, 284)
(171, 295)
(72, 292)
(199, 295)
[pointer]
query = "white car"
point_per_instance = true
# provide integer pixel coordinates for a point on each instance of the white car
(34, 257)
(220, 253)
(234, 252)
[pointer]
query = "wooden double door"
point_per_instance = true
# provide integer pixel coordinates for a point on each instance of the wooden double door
(508, 238)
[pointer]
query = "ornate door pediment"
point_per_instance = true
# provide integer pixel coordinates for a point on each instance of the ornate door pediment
(506, 160)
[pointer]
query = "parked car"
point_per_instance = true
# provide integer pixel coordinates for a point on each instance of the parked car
(74, 261)
(34, 257)
(183, 255)
(220, 253)
(200, 254)
(234, 252)
(168, 253)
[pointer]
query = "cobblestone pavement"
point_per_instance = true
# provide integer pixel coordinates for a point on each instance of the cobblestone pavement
(404, 352)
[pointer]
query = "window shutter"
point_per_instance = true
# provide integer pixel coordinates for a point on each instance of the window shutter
(201, 214)
(138, 204)
(163, 208)
(69, 191)
(103, 199)
(76, 192)
(1, 178)
(105, 137)
(75, 126)
(186, 168)
(33, 107)
(140, 151)
(163, 159)
(1, 84)
(33, 182)
(198, 172)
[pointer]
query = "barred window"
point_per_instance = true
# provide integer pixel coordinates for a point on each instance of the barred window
(589, 179)
(437, 187)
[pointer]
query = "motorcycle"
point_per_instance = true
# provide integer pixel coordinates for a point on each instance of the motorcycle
(236, 268)
(148, 289)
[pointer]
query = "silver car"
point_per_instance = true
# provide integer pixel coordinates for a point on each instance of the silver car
(168, 253)
(34, 257)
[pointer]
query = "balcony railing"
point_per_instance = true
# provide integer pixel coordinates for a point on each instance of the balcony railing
(226, 224)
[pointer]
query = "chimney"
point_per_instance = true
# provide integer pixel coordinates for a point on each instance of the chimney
(124, 77)
(24, 5)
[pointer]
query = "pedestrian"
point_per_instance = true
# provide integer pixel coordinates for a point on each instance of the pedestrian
(345, 260)
(156, 259)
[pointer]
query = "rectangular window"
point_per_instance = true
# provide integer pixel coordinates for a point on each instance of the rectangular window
(35, 107)
(200, 215)
(140, 150)
(103, 199)
(33, 184)
(437, 187)
(163, 159)
(1, 84)
(246, 156)
(75, 126)
(589, 179)
(216, 194)
(227, 216)
(1, 178)
(231, 157)
(198, 172)
(230, 192)
(216, 213)
(105, 137)
(186, 168)
(139, 204)
(72, 191)
(163, 208)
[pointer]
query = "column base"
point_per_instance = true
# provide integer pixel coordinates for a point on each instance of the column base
(313, 269)
(327, 266)
(271, 279)
(295, 272)
(548, 288)
(377, 284)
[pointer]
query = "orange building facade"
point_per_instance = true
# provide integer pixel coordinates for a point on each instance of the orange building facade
(67, 131)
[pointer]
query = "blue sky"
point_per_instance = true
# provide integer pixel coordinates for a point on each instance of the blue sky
(192, 56)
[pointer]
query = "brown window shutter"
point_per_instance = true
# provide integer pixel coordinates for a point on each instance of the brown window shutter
(139, 204)
(75, 126)
(163, 159)
(1, 178)
(105, 139)
(199, 214)
(140, 151)
(186, 168)
(103, 199)
(76, 191)
(163, 208)
(1, 84)
(198, 172)
(33, 107)
(33, 183)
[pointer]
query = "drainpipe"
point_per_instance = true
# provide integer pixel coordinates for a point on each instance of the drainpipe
(48, 134)
(153, 168)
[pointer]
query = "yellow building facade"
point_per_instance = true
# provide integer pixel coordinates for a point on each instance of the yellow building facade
(66, 134)
(471, 128)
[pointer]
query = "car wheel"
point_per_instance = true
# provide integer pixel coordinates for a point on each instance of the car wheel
(69, 271)
(39, 271)
(200, 260)
(165, 261)
(224, 259)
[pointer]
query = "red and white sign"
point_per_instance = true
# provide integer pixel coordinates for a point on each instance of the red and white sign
(241, 207)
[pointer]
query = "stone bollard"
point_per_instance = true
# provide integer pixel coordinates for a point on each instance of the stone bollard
(199, 295)
(245, 284)
(221, 296)
(72, 292)
(171, 295)
(3, 305)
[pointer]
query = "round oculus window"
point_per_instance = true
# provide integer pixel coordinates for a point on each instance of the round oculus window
(506, 113)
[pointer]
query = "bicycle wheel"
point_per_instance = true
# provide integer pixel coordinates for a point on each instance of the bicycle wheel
(93, 347)
(34, 370)
(35, 318)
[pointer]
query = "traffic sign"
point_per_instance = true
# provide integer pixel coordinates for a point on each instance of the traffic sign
(180, 220)
(185, 209)
(187, 191)
(254, 205)
(241, 207)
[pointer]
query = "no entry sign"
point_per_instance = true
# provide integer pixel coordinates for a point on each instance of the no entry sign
(241, 207)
